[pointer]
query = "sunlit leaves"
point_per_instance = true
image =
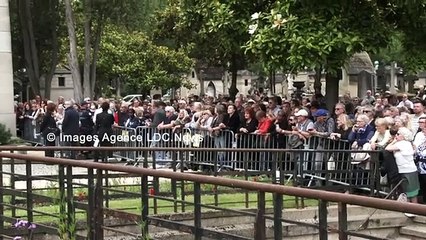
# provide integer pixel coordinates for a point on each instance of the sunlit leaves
(133, 58)
(298, 34)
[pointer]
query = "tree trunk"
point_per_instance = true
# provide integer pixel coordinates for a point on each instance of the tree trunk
(96, 47)
(34, 52)
(234, 74)
(72, 56)
(87, 47)
(53, 11)
(33, 78)
(118, 87)
(233, 91)
(332, 90)
(317, 83)
(272, 82)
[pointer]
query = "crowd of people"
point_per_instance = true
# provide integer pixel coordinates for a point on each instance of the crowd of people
(395, 125)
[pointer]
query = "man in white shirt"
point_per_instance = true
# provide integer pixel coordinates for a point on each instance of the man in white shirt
(368, 99)
(99, 110)
(420, 137)
(418, 109)
(405, 102)
(197, 109)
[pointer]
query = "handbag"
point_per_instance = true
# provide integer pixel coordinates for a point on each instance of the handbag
(359, 157)
(331, 164)
(54, 130)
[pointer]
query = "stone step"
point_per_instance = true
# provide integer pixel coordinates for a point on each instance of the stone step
(414, 230)
(420, 219)
(381, 225)
(332, 211)
(355, 218)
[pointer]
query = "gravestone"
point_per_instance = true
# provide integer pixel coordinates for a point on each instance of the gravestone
(365, 82)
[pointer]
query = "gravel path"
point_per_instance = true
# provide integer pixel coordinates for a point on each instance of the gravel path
(39, 169)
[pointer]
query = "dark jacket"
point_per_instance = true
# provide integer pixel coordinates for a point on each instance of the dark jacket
(122, 118)
(48, 125)
(103, 126)
(86, 121)
(170, 119)
(251, 126)
(159, 117)
(361, 136)
(132, 122)
(234, 122)
(71, 122)
(344, 134)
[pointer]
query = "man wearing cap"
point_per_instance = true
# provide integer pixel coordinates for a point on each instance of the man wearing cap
(324, 125)
(299, 135)
(304, 124)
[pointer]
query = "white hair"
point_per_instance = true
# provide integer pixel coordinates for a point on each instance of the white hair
(406, 133)
(363, 118)
(184, 112)
(169, 109)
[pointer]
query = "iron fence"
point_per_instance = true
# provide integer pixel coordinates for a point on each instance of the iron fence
(94, 205)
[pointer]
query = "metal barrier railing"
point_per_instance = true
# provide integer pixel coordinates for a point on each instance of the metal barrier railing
(164, 138)
(94, 207)
(304, 168)
(31, 132)
(217, 160)
(128, 136)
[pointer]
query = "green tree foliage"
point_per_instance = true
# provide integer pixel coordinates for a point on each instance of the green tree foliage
(407, 45)
(40, 43)
(139, 63)
(213, 31)
(315, 34)
(35, 30)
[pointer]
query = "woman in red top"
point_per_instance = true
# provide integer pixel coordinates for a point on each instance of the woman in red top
(265, 123)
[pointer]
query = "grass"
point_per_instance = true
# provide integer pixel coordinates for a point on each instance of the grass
(227, 198)
(133, 205)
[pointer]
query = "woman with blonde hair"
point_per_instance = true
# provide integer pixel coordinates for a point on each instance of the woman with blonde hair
(343, 127)
(407, 119)
(382, 136)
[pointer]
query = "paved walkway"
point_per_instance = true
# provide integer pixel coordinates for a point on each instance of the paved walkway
(40, 169)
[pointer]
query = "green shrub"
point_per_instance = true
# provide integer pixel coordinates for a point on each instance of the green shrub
(5, 135)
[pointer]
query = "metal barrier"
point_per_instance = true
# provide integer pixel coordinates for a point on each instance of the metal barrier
(304, 168)
(213, 160)
(165, 138)
(32, 132)
(94, 208)
(126, 137)
(256, 161)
